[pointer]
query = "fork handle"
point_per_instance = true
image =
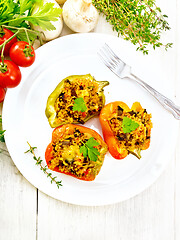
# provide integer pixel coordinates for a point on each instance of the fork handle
(164, 101)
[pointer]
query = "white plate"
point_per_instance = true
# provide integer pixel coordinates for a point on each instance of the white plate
(24, 120)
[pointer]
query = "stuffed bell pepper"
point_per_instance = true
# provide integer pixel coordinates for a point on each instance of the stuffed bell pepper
(125, 130)
(76, 151)
(76, 99)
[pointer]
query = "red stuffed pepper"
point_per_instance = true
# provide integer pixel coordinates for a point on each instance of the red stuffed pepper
(76, 151)
(125, 130)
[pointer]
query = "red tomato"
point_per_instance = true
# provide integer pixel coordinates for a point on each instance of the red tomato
(4, 36)
(10, 76)
(2, 94)
(22, 54)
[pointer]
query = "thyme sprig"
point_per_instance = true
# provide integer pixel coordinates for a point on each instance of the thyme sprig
(43, 168)
(139, 21)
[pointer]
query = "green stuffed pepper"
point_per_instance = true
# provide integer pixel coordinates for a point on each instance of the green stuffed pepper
(76, 99)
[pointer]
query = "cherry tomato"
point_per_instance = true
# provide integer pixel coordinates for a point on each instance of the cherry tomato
(10, 74)
(22, 54)
(2, 94)
(4, 35)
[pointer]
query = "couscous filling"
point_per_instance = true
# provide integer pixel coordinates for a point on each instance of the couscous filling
(137, 138)
(78, 88)
(68, 158)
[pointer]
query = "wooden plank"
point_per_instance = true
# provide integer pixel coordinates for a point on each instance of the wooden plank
(177, 162)
(18, 201)
(177, 190)
(150, 215)
(146, 216)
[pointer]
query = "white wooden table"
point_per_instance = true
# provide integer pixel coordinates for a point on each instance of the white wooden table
(28, 214)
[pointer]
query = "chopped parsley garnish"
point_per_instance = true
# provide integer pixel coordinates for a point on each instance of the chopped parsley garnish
(88, 150)
(128, 125)
(79, 105)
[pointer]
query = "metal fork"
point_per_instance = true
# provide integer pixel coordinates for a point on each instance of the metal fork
(122, 70)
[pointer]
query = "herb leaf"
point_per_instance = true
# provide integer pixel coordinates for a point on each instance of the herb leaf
(2, 136)
(26, 5)
(79, 105)
(7, 9)
(92, 156)
(84, 150)
(129, 125)
(92, 142)
(88, 149)
(17, 15)
(46, 13)
(1, 131)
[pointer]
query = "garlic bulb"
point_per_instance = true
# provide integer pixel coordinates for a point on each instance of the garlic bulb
(80, 15)
(49, 35)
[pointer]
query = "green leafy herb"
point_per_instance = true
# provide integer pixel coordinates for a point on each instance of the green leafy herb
(2, 135)
(1, 131)
(129, 125)
(88, 149)
(139, 21)
(43, 168)
(17, 15)
(79, 105)
(45, 14)
(25, 5)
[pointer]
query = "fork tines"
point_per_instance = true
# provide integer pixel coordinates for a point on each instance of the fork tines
(110, 59)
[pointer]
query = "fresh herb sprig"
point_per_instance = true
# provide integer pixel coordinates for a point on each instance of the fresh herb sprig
(18, 14)
(139, 21)
(2, 135)
(79, 105)
(1, 131)
(128, 125)
(43, 168)
(88, 149)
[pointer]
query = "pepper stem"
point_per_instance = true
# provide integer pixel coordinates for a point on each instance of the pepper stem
(136, 152)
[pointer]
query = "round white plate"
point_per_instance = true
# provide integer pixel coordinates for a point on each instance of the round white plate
(24, 120)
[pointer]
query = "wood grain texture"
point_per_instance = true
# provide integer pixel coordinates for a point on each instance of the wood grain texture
(142, 217)
(177, 159)
(17, 202)
(152, 215)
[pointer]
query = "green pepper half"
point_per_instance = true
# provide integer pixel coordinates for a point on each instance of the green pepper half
(60, 108)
